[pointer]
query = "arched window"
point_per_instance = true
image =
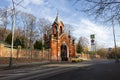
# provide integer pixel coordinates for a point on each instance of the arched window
(61, 30)
(55, 30)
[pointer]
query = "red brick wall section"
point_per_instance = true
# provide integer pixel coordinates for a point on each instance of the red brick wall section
(56, 45)
(23, 53)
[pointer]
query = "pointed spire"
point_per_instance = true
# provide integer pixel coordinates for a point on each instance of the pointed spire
(57, 20)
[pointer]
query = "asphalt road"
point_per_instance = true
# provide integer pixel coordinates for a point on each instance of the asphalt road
(103, 71)
(87, 70)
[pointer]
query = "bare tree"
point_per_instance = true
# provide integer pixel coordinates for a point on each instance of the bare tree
(29, 29)
(68, 29)
(103, 52)
(102, 8)
(84, 41)
(5, 18)
(4, 22)
(23, 17)
(82, 45)
(43, 26)
(79, 47)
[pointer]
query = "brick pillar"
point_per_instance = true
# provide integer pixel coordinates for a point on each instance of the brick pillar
(43, 53)
(1, 50)
(58, 49)
(51, 46)
(74, 50)
(18, 52)
(70, 54)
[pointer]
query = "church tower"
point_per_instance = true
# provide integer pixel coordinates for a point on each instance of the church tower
(57, 27)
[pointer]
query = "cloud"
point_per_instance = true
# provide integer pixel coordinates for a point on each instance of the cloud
(98, 30)
(27, 2)
(35, 2)
(87, 27)
(82, 26)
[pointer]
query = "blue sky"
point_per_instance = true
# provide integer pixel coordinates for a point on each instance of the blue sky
(83, 24)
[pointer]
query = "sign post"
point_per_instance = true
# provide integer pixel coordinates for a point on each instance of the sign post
(93, 47)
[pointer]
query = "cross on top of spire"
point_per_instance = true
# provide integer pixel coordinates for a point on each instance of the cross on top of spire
(57, 20)
(57, 12)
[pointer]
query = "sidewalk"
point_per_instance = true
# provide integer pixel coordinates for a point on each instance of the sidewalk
(32, 64)
(3, 66)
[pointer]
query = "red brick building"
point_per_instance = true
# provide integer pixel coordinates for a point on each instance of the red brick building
(62, 45)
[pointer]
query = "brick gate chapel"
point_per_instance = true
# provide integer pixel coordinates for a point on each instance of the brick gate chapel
(62, 46)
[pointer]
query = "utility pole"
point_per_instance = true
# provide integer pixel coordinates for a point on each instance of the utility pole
(119, 21)
(116, 58)
(13, 25)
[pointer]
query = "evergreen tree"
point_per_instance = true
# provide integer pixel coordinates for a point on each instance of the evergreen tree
(38, 45)
(9, 38)
(17, 42)
(20, 40)
(79, 48)
(23, 40)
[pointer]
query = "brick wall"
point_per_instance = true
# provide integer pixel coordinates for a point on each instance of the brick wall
(88, 56)
(24, 53)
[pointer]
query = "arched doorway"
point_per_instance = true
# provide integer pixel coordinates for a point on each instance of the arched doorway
(64, 53)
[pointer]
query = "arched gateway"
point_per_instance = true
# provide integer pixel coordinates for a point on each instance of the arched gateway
(64, 52)
(62, 45)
